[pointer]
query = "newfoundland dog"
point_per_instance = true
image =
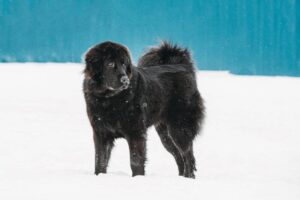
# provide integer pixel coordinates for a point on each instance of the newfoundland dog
(123, 101)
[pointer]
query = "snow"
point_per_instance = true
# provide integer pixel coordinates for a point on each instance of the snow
(248, 149)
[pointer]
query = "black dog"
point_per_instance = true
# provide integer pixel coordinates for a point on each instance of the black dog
(123, 101)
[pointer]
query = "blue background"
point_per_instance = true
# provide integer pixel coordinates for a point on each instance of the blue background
(242, 36)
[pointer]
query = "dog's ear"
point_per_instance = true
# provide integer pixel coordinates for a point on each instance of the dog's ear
(90, 58)
(128, 60)
(129, 70)
(87, 69)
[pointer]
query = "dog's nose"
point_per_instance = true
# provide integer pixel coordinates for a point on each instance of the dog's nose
(124, 80)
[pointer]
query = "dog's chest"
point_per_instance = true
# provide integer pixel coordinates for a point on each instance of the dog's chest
(118, 115)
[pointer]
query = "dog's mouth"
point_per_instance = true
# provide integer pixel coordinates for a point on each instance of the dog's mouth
(110, 91)
(123, 87)
(106, 90)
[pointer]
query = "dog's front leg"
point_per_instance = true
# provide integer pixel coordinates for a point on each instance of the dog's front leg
(137, 147)
(103, 147)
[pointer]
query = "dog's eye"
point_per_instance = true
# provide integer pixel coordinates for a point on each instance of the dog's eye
(111, 64)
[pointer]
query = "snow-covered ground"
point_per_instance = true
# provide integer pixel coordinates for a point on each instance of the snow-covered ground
(249, 147)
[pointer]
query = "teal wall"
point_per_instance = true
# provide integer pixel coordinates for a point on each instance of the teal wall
(242, 36)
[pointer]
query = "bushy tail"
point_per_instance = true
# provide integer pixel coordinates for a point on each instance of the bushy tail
(166, 54)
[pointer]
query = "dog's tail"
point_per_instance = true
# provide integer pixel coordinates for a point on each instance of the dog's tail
(167, 54)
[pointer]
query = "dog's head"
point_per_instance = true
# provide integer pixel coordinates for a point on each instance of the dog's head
(108, 68)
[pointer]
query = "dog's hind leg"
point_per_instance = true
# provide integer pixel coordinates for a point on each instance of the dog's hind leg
(184, 119)
(169, 145)
(183, 139)
(103, 147)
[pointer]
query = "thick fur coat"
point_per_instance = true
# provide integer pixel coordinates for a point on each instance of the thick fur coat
(123, 101)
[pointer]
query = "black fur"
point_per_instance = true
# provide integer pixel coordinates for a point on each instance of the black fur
(161, 91)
